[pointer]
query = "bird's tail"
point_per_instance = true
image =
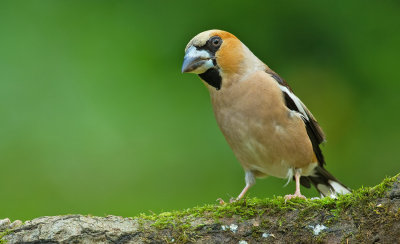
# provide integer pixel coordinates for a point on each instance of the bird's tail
(325, 183)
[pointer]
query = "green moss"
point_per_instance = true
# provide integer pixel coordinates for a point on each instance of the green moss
(180, 221)
(2, 234)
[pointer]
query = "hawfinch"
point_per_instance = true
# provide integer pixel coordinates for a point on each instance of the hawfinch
(271, 132)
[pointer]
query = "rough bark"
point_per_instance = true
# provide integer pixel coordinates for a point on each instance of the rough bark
(369, 215)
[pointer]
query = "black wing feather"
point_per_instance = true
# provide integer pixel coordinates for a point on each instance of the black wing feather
(321, 176)
(313, 132)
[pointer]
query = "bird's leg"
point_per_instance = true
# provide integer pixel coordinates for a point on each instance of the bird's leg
(250, 181)
(241, 195)
(245, 189)
(297, 192)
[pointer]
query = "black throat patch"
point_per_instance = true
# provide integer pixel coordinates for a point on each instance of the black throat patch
(212, 77)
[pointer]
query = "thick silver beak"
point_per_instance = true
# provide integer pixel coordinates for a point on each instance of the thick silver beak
(196, 61)
(191, 63)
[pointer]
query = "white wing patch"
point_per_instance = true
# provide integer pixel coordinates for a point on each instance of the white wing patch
(296, 101)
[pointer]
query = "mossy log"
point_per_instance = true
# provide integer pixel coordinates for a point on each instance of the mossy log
(368, 215)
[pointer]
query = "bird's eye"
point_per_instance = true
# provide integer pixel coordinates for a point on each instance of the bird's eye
(216, 41)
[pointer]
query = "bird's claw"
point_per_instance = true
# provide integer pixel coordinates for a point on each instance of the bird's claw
(296, 195)
(221, 201)
(232, 200)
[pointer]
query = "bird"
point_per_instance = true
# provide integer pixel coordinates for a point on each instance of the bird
(269, 129)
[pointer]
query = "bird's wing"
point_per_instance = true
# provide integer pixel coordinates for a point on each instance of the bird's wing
(293, 103)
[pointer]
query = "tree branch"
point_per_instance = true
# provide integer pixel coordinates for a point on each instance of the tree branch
(367, 215)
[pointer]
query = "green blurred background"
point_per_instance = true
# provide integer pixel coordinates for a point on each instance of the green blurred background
(96, 117)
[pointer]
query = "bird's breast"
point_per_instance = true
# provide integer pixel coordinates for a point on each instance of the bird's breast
(257, 126)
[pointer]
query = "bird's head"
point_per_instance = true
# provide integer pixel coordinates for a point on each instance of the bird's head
(213, 55)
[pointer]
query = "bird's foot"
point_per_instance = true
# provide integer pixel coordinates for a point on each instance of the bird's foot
(232, 200)
(221, 201)
(289, 197)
